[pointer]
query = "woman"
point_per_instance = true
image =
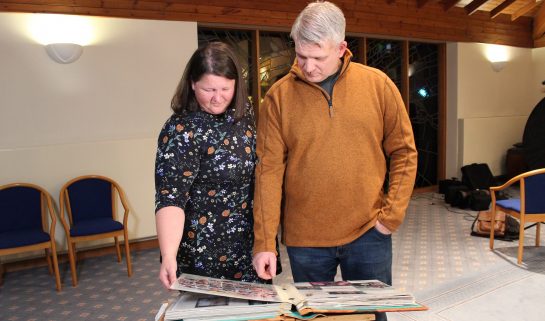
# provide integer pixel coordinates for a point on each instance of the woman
(204, 172)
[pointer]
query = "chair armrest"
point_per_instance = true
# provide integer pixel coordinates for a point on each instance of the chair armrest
(124, 203)
(506, 184)
(52, 214)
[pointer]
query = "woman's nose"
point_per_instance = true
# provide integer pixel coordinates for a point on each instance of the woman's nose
(216, 96)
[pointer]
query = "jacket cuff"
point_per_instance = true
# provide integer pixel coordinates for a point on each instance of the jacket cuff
(265, 246)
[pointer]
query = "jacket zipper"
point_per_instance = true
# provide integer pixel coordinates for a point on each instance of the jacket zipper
(330, 99)
(330, 104)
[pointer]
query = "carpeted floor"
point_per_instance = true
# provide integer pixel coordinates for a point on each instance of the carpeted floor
(435, 258)
(104, 291)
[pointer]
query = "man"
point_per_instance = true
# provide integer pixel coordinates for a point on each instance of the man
(325, 131)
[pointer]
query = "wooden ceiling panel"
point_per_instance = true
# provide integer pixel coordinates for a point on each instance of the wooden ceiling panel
(509, 22)
(501, 8)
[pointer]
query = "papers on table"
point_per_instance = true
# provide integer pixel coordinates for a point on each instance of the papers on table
(211, 299)
(200, 307)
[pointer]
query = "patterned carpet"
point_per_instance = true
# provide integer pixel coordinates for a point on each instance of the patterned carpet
(104, 291)
(434, 257)
(434, 245)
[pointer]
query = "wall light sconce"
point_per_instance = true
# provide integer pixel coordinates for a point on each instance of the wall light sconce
(62, 35)
(498, 56)
(64, 53)
(497, 66)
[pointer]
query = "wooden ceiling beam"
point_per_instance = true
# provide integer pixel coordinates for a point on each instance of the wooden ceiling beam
(538, 43)
(525, 9)
(448, 4)
(372, 17)
(421, 3)
(539, 23)
(502, 6)
(473, 6)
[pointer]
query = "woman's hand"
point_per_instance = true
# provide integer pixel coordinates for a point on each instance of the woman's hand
(167, 272)
(170, 225)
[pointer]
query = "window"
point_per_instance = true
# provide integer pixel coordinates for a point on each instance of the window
(412, 66)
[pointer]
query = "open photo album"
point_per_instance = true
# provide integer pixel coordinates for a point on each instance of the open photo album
(204, 298)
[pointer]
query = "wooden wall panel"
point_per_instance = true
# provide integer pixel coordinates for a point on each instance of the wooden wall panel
(401, 18)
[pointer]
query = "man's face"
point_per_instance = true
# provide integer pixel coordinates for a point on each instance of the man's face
(319, 61)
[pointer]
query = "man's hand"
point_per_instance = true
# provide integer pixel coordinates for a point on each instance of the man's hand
(167, 272)
(265, 265)
(382, 229)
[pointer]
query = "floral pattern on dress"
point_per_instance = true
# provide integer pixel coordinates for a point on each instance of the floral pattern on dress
(205, 165)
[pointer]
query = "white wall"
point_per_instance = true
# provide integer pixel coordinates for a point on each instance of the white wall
(486, 110)
(538, 57)
(98, 115)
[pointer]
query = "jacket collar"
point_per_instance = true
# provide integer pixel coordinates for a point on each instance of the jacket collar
(299, 74)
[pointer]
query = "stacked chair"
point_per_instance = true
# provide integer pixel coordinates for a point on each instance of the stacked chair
(25, 225)
(90, 204)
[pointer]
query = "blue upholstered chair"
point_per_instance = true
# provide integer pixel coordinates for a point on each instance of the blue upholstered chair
(530, 208)
(91, 208)
(24, 223)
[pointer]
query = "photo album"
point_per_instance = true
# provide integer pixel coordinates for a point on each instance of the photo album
(204, 298)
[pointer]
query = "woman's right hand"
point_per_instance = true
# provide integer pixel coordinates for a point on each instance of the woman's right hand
(170, 225)
(167, 272)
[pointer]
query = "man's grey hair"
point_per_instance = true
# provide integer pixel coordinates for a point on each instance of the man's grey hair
(320, 21)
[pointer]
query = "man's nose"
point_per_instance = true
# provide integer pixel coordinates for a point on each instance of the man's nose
(309, 66)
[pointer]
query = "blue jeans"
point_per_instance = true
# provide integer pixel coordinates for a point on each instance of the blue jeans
(366, 258)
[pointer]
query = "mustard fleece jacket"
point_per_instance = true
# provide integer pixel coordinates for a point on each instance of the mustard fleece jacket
(322, 160)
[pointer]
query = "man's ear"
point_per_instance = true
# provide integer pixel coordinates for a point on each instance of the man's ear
(342, 48)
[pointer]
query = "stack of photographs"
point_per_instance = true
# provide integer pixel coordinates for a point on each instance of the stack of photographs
(212, 299)
(200, 307)
(358, 296)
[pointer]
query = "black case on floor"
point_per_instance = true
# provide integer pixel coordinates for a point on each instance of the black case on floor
(453, 193)
(444, 184)
(478, 176)
(479, 200)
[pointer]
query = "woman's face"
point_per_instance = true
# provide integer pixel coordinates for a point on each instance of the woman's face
(214, 93)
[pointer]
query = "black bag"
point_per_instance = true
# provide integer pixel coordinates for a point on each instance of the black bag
(461, 200)
(444, 184)
(479, 200)
(478, 176)
(453, 196)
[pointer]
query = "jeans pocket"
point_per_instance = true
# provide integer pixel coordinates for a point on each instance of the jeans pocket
(380, 234)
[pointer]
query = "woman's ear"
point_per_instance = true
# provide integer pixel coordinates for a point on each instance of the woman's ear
(193, 85)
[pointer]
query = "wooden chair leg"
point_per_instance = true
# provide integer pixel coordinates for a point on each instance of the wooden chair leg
(71, 256)
(521, 240)
(128, 254)
(48, 259)
(56, 265)
(538, 232)
(492, 224)
(1, 274)
(117, 249)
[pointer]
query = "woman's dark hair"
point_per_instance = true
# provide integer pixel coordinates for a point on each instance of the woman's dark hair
(215, 58)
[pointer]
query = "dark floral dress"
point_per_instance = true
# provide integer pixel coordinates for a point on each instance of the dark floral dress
(205, 165)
